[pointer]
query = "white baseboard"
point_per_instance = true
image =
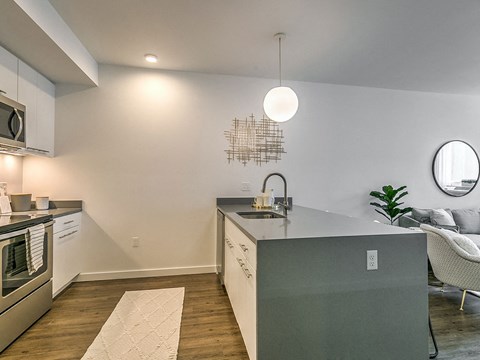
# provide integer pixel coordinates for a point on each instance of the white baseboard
(130, 274)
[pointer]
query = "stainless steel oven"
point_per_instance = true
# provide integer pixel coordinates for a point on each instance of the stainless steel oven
(25, 294)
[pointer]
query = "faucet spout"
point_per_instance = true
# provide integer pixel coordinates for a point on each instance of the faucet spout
(285, 204)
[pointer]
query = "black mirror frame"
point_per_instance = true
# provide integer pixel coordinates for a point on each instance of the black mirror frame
(433, 167)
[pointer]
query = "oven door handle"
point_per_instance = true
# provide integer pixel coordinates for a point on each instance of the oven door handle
(14, 234)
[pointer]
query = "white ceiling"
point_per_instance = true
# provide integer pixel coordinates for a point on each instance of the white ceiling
(425, 45)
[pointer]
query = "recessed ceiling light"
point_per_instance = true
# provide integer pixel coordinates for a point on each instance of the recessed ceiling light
(151, 58)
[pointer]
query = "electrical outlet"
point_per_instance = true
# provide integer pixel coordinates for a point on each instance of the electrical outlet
(245, 186)
(135, 241)
(372, 260)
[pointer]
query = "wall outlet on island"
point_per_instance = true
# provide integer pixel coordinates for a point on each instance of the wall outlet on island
(135, 241)
(372, 260)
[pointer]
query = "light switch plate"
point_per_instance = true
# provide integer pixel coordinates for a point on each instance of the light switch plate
(245, 186)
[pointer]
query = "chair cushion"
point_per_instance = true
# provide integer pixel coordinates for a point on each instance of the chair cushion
(466, 244)
(475, 238)
(459, 243)
(468, 220)
(441, 217)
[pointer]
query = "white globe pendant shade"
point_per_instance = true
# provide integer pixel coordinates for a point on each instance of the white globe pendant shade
(280, 103)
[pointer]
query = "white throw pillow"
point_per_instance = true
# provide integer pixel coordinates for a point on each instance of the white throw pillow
(466, 244)
(441, 217)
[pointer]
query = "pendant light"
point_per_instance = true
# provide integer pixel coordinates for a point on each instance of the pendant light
(281, 102)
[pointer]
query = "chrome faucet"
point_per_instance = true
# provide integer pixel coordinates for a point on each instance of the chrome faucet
(285, 204)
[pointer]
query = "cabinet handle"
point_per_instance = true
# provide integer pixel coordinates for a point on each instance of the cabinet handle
(40, 150)
(247, 273)
(70, 233)
(244, 248)
(20, 122)
(240, 261)
(3, 92)
(68, 222)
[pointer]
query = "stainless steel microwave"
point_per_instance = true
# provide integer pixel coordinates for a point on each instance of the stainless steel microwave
(12, 123)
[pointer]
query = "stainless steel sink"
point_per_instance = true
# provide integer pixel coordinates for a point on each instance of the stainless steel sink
(260, 215)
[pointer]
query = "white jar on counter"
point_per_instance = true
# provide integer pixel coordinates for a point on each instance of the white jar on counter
(42, 202)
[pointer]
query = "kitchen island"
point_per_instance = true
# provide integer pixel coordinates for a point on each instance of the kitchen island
(313, 297)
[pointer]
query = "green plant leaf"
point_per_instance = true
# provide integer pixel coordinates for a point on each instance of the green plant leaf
(390, 196)
(387, 188)
(378, 211)
(379, 196)
(401, 195)
(377, 204)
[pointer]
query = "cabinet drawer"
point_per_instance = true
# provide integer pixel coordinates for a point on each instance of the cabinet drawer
(244, 244)
(66, 222)
(65, 258)
(66, 235)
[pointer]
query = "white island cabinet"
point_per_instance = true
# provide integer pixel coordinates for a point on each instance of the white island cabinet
(66, 250)
(240, 282)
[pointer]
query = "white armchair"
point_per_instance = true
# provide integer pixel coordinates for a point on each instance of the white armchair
(455, 259)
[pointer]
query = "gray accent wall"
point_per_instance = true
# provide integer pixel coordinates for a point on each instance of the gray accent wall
(316, 300)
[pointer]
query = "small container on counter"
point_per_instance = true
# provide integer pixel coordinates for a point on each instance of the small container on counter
(21, 202)
(42, 202)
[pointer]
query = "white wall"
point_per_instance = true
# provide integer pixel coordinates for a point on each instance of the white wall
(145, 151)
(11, 172)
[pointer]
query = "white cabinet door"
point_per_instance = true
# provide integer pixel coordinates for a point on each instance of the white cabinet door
(8, 74)
(66, 251)
(45, 116)
(240, 282)
(250, 318)
(25, 85)
(27, 95)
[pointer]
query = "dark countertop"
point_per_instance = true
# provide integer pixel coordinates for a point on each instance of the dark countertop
(22, 219)
(54, 212)
(304, 223)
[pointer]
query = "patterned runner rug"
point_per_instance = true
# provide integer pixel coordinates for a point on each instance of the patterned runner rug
(144, 325)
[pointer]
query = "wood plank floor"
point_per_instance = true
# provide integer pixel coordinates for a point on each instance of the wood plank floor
(457, 332)
(209, 330)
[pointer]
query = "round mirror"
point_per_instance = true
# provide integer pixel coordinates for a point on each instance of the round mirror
(455, 168)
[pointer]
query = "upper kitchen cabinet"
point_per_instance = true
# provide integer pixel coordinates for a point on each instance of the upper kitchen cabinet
(45, 137)
(8, 73)
(37, 93)
(27, 95)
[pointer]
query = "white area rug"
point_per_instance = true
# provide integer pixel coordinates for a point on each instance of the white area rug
(145, 325)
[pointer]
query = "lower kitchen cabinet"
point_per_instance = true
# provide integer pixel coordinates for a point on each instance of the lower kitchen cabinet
(66, 250)
(240, 282)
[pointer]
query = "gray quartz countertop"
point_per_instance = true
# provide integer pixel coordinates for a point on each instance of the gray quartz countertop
(57, 208)
(54, 212)
(21, 219)
(303, 223)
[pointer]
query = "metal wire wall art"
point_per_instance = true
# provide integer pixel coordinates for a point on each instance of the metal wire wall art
(251, 140)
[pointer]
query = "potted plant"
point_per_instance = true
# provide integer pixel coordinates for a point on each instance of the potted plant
(391, 207)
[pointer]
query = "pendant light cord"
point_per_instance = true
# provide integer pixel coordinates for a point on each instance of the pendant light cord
(280, 59)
